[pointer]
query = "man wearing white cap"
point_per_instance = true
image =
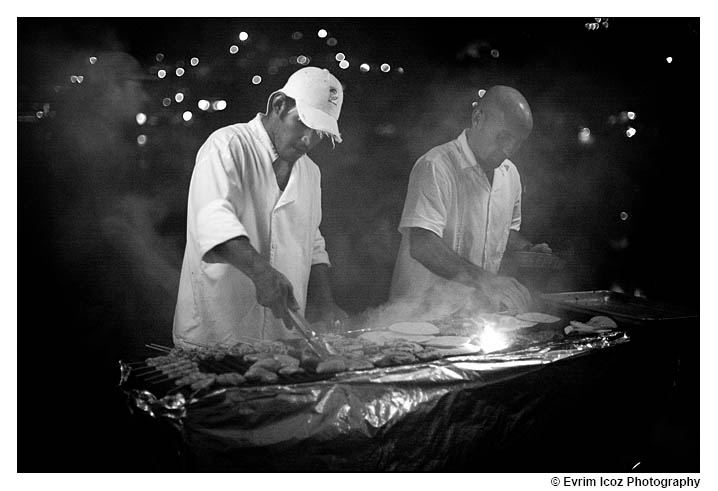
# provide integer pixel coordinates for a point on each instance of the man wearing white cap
(254, 209)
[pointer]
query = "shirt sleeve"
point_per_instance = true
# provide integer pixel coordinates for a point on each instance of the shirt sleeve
(319, 253)
(516, 216)
(427, 199)
(214, 179)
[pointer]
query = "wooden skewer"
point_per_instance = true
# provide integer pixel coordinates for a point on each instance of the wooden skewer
(159, 347)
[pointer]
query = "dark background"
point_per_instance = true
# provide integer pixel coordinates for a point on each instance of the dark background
(102, 218)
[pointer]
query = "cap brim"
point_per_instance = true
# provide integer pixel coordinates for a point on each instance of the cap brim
(318, 120)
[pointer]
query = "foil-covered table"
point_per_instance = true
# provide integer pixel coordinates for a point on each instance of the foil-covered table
(470, 412)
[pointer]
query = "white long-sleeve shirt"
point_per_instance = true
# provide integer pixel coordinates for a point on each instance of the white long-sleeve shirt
(450, 195)
(233, 193)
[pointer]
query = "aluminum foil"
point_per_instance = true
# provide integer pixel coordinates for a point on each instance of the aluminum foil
(413, 417)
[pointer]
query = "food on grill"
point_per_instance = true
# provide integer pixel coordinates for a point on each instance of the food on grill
(415, 328)
(270, 364)
(255, 357)
(538, 317)
(291, 370)
(286, 361)
(354, 364)
(390, 358)
(262, 375)
(603, 322)
(467, 327)
(505, 322)
(448, 341)
(332, 365)
(429, 354)
(205, 382)
(231, 378)
(382, 338)
(597, 327)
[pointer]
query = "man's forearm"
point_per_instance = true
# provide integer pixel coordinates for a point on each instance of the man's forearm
(320, 284)
(239, 253)
(428, 248)
(517, 242)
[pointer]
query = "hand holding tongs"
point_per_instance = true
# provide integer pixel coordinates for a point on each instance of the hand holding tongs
(320, 347)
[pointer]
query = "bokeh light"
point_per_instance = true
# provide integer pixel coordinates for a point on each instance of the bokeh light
(39, 114)
(344, 64)
(584, 135)
(482, 92)
(624, 216)
(669, 59)
(194, 61)
(302, 60)
(142, 140)
(297, 35)
(187, 115)
(159, 57)
(385, 67)
(322, 33)
(219, 105)
(364, 67)
(161, 73)
(400, 70)
(166, 101)
(339, 56)
(631, 115)
(332, 42)
(179, 72)
(203, 104)
(243, 36)
(256, 80)
(179, 97)
(495, 53)
(630, 132)
(93, 60)
(141, 118)
(234, 49)
(73, 79)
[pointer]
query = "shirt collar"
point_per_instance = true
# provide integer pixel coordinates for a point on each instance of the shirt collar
(261, 134)
(470, 160)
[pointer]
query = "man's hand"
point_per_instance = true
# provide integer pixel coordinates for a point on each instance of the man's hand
(543, 248)
(332, 318)
(275, 292)
(506, 293)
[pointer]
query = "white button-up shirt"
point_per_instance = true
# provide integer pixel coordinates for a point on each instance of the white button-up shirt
(233, 193)
(450, 195)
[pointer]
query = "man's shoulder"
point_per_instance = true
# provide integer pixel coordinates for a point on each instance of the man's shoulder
(311, 167)
(444, 156)
(233, 132)
(510, 167)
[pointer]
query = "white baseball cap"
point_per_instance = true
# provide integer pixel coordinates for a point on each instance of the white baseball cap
(319, 97)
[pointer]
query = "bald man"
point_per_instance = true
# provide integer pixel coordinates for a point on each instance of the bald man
(463, 210)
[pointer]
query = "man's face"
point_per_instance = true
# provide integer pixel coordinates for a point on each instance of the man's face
(497, 141)
(293, 138)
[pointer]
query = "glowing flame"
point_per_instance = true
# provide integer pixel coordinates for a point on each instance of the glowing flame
(491, 339)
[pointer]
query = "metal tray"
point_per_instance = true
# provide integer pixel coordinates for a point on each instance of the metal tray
(617, 305)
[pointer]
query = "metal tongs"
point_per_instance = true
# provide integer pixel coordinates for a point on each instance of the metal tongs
(320, 347)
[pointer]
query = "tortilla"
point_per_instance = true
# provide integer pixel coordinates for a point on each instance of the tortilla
(448, 341)
(538, 317)
(414, 328)
(507, 322)
(384, 337)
